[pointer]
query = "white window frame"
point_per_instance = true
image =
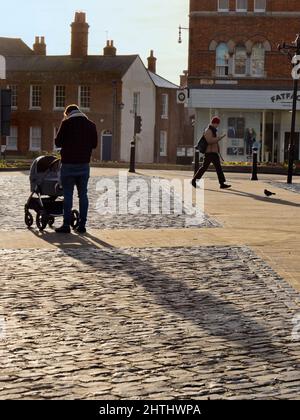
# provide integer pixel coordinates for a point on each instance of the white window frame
(59, 108)
(55, 131)
(257, 9)
(234, 65)
(13, 135)
(165, 106)
(163, 137)
(35, 107)
(14, 94)
(136, 107)
(33, 148)
(221, 9)
(241, 10)
(80, 96)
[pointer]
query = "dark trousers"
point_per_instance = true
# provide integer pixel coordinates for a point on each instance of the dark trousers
(71, 175)
(213, 158)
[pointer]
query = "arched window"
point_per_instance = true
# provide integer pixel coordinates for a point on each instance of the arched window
(258, 60)
(240, 61)
(222, 60)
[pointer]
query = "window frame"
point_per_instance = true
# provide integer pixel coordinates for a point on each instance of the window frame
(56, 107)
(165, 106)
(15, 147)
(31, 147)
(221, 9)
(14, 95)
(80, 96)
(163, 137)
(35, 107)
(218, 74)
(252, 60)
(234, 62)
(136, 105)
(257, 10)
(241, 10)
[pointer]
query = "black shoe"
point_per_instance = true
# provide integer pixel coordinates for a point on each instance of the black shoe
(80, 229)
(63, 229)
(194, 183)
(225, 186)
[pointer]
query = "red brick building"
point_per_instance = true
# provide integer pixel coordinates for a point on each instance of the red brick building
(236, 71)
(108, 87)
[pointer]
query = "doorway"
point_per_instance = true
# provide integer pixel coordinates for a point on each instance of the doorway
(106, 151)
(286, 146)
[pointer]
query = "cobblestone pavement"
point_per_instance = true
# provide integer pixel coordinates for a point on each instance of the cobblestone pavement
(146, 323)
(15, 192)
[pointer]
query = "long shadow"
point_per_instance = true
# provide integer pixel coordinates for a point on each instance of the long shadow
(219, 317)
(257, 197)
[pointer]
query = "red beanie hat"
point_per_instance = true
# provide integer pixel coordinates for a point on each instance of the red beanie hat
(215, 120)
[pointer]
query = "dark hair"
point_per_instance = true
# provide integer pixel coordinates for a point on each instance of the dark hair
(71, 108)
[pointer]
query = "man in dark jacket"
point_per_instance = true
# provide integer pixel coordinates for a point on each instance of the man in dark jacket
(77, 137)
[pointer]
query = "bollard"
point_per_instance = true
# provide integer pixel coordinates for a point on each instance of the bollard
(254, 165)
(197, 160)
(132, 157)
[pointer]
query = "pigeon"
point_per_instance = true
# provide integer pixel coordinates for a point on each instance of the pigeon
(269, 193)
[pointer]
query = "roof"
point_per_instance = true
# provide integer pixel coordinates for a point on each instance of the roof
(14, 47)
(161, 82)
(119, 64)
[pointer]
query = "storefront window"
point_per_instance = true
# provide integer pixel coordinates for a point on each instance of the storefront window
(240, 61)
(222, 60)
(258, 60)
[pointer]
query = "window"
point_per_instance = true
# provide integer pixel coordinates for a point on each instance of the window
(35, 138)
(60, 97)
(163, 143)
(240, 61)
(35, 97)
(12, 140)
(241, 5)
(165, 106)
(258, 60)
(260, 5)
(222, 60)
(55, 131)
(136, 103)
(223, 5)
(84, 97)
(181, 152)
(236, 128)
(14, 96)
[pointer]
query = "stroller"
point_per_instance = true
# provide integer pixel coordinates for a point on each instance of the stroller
(46, 197)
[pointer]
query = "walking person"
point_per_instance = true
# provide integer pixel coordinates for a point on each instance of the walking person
(212, 154)
(77, 137)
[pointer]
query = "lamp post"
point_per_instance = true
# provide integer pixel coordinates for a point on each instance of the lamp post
(293, 52)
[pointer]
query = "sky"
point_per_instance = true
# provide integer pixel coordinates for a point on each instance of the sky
(136, 26)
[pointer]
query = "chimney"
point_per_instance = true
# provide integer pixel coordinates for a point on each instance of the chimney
(80, 36)
(184, 79)
(39, 47)
(152, 62)
(110, 50)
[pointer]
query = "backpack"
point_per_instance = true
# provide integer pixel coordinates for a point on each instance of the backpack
(202, 145)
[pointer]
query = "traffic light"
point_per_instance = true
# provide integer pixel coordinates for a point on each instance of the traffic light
(138, 124)
(5, 112)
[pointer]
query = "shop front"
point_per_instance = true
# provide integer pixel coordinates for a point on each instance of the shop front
(248, 117)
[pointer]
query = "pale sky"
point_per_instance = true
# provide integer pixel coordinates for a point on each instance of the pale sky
(136, 26)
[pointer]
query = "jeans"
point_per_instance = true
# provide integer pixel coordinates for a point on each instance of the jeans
(213, 158)
(71, 175)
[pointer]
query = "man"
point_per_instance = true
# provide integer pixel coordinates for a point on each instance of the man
(77, 137)
(212, 154)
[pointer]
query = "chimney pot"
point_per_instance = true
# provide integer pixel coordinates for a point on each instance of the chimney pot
(110, 50)
(152, 62)
(80, 34)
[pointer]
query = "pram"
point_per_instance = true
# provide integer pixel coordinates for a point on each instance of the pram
(46, 197)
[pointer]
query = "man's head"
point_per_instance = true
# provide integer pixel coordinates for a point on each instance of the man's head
(215, 122)
(70, 108)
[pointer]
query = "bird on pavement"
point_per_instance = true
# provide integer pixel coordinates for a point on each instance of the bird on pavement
(269, 193)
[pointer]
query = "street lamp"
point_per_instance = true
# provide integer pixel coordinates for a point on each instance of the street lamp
(293, 52)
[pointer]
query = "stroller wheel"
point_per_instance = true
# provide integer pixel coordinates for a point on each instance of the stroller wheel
(41, 220)
(28, 219)
(51, 221)
(75, 219)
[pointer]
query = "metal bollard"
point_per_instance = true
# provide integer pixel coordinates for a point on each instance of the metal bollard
(132, 157)
(254, 165)
(197, 161)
